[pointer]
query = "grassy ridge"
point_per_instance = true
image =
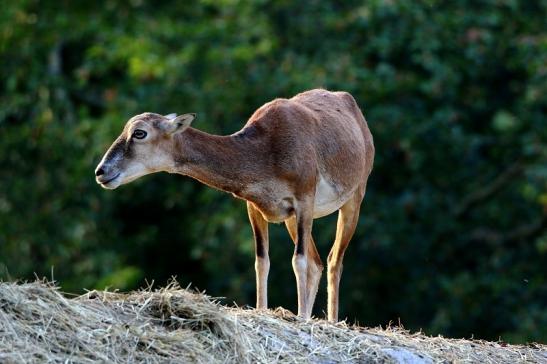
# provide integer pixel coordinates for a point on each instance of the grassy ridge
(40, 324)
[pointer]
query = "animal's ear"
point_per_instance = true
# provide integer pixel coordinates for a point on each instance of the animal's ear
(182, 122)
(171, 116)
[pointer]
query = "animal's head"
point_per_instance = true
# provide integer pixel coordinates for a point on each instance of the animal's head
(143, 147)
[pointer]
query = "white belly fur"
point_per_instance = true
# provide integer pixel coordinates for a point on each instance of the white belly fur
(327, 199)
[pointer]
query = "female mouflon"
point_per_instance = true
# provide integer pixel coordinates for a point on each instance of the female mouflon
(295, 160)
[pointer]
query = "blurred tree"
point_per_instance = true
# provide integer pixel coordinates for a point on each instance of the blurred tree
(452, 237)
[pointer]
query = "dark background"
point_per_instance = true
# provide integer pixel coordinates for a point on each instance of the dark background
(452, 236)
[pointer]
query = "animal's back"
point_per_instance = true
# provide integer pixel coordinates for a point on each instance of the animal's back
(322, 115)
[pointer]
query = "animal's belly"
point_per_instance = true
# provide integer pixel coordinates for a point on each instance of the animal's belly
(327, 199)
(277, 204)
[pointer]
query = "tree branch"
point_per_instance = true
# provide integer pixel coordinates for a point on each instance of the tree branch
(488, 190)
(522, 232)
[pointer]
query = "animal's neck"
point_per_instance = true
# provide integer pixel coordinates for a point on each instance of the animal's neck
(221, 162)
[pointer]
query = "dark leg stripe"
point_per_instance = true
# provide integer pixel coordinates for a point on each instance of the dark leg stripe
(259, 243)
(300, 239)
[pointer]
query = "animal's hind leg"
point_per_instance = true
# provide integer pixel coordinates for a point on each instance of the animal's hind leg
(348, 216)
(262, 260)
(315, 266)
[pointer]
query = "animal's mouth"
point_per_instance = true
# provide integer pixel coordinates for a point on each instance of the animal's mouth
(104, 183)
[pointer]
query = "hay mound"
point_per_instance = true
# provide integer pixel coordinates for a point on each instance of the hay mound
(173, 325)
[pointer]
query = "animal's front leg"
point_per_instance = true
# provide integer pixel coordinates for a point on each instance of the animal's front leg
(304, 220)
(262, 260)
(315, 266)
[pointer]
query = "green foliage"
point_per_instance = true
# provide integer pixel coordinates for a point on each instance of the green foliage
(452, 236)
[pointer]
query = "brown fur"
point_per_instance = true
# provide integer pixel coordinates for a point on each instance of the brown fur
(295, 159)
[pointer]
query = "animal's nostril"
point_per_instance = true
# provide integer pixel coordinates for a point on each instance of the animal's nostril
(99, 172)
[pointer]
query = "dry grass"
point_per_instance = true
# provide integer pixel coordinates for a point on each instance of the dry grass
(172, 325)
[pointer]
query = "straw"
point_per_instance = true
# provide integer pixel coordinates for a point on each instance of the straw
(38, 324)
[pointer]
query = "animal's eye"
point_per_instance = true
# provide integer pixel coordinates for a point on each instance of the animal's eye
(139, 134)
